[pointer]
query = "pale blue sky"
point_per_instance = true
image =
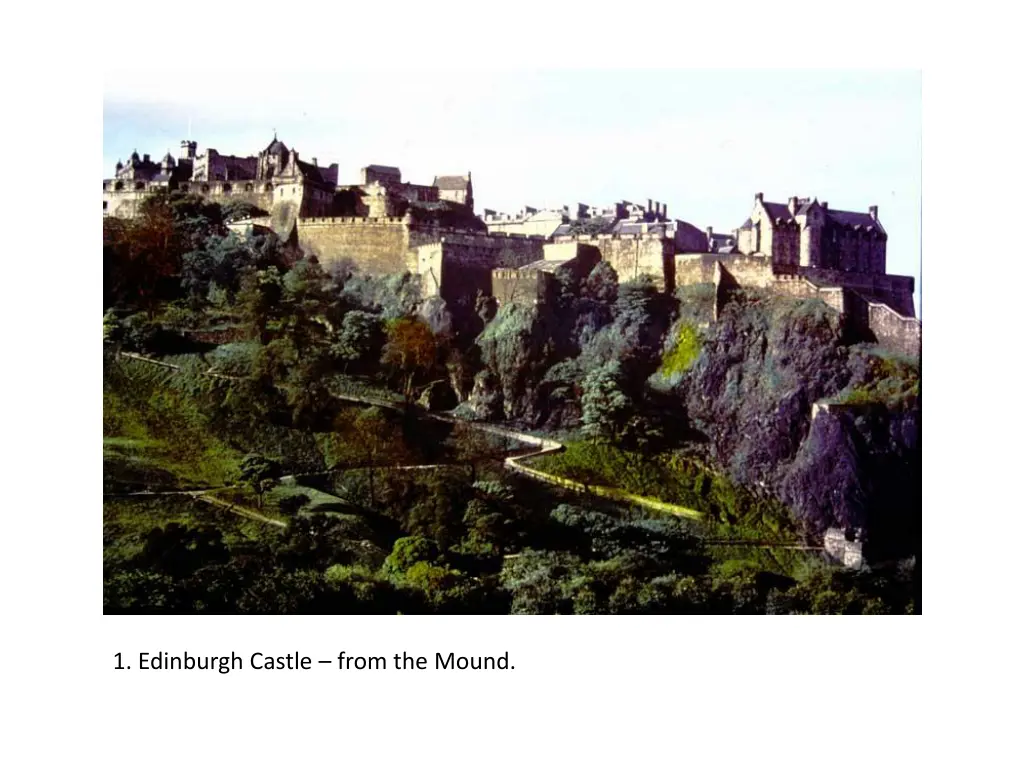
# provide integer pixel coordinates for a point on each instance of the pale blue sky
(703, 142)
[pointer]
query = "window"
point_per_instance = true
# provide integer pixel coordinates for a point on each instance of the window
(119, 186)
(139, 186)
(226, 189)
(104, 205)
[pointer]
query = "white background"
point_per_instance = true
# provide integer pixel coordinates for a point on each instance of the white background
(931, 690)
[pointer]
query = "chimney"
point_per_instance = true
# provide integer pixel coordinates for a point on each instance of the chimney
(314, 163)
(710, 246)
(145, 158)
(873, 212)
(792, 205)
(759, 197)
(650, 206)
(664, 210)
(824, 205)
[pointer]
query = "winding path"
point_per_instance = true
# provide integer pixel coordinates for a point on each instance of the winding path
(544, 446)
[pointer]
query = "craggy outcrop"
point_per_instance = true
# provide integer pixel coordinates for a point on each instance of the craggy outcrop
(856, 465)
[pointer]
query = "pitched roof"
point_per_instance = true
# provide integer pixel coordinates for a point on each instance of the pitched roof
(778, 211)
(310, 171)
(853, 219)
(451, 182)
(842, 218)
(277, 147)
(383, 168)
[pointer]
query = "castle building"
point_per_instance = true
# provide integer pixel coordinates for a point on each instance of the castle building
(385, 225)
(528, 221)
(274, 177)
(806, 249)
(458, 189)
(806, 233)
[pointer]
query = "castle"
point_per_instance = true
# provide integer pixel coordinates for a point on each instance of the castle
(384, 225)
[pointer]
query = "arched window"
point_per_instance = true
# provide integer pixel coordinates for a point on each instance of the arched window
(226, 189)
(140, 185)
(268, 187)
(119, 186)
(206, 188)
(248, 187)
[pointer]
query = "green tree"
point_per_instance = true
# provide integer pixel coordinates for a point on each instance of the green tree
(259, 300)
(359, 339)
(260, 473)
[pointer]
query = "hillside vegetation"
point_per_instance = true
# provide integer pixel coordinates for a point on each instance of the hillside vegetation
(311, 503)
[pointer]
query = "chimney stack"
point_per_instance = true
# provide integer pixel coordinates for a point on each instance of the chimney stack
(759, 197)
(650, 206)
(873, 212)
(664, 210)
(792, 205)
(314, 163)
(824, 205)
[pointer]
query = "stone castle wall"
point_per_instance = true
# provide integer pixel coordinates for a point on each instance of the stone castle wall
(633, 256)
(747, 271)
(522, 286)
(459, 265)
(894, 330)
(377, 246)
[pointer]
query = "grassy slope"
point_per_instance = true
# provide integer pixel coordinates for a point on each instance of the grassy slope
(732, 511)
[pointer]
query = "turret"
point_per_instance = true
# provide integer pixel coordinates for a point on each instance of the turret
(188, 150)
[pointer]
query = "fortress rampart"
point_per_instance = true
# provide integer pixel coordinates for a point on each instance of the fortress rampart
(458, 265)
(633, 256)
(848, 293)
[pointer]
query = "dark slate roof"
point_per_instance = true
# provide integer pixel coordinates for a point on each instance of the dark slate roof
(277, 147)
(778, 211)
(451, 182)
(625, 227)
(748, 224)
(853, 219)
(310, 171)
(383, 168)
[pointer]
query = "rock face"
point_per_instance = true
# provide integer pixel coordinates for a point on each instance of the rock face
(752, 393)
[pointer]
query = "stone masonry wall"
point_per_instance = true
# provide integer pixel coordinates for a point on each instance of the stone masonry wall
(894, 330)
(634, 256)
(124, 203)
(521, 286)
(747, 271)
(457, 266)
(376, 246)
(895, 290)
